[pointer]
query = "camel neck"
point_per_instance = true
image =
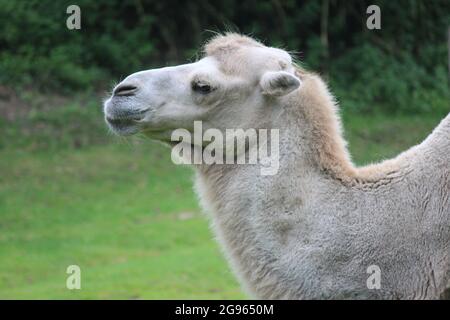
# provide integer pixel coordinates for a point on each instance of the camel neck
(243, 203)
(314, 127)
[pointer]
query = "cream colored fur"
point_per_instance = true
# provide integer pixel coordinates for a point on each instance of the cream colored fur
(312, 230)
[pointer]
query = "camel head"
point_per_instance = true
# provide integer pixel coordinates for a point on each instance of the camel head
(234, 85)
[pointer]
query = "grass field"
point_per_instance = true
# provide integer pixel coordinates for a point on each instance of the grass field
(129, 218)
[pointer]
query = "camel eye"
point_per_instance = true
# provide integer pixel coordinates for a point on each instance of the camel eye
(201, 87)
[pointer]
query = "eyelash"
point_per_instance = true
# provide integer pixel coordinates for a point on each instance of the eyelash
(201, 87)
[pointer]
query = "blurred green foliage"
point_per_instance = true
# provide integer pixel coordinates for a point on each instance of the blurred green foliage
(49, 122)
(401, 68)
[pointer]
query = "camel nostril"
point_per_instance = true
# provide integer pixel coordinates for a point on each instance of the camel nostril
(125, 90)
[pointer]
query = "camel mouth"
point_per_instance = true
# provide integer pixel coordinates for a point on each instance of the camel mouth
(120, 122)
(123, 126)
(123, 120)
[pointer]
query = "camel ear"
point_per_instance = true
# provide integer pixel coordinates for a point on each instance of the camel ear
(278, 83)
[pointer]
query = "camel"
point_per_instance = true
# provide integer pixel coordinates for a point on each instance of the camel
(318, 227)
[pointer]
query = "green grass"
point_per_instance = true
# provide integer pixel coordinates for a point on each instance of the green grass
(129, 218)
(124, 214)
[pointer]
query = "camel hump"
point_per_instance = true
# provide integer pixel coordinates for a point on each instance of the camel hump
(441, 135)
(444, 126)
(437, 144)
